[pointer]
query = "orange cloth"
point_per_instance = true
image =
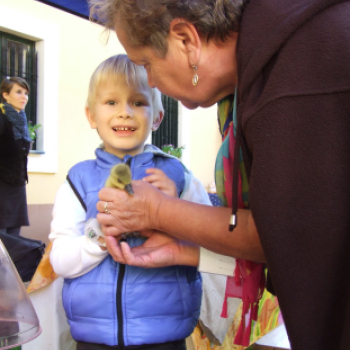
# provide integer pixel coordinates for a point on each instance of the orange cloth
(44, 273)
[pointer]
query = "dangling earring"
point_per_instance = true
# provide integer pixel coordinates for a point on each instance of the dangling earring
(195, 76)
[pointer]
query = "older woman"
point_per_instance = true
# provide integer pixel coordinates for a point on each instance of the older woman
(286, 134)
(14, 147)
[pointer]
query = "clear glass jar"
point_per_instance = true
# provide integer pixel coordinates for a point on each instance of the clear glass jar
(18, 320)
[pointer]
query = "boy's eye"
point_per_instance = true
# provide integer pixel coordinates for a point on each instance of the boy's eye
(138, 103)
(111, 103)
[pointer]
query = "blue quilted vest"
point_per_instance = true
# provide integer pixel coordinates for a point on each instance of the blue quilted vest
(123, 305)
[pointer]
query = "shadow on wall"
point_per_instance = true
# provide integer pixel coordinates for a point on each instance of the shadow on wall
(40, 216)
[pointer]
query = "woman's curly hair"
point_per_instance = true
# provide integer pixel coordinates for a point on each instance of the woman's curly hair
(147, 22)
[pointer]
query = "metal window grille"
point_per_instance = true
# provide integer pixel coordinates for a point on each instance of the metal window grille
(167, 133)
(18, 58)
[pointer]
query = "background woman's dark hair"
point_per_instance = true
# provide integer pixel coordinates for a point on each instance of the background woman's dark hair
(8, 83)
(147, 22)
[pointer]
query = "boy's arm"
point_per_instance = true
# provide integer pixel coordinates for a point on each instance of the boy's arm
(73, 254)
(194, 191)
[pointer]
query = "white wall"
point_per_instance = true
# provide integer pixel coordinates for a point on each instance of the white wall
(70, 48)
(199, 133)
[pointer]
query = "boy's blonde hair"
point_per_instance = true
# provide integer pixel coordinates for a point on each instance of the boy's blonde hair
(135, 76)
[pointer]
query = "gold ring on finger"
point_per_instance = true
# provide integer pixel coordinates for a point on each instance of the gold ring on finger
(105, 209)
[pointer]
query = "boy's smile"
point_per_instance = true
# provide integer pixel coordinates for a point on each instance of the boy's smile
(123, 116)
(117, 128)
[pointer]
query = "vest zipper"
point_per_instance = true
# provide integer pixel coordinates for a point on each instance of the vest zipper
(121, 275)
(119, 305)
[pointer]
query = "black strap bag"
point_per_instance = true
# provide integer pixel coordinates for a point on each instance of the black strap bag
(25, 253)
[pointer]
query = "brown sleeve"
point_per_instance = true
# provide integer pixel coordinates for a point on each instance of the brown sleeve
(300, 183)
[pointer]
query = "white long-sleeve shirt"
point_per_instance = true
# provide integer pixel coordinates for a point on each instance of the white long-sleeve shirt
(73, 254)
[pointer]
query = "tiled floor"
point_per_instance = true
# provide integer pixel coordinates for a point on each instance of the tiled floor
(275, 340)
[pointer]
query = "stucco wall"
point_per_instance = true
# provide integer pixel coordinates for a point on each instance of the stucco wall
(80, 47)
(199, 133)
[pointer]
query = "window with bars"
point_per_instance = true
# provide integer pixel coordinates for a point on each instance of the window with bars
(18, 58)
(167, 132)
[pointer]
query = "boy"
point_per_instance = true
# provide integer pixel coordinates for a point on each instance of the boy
(107, 302)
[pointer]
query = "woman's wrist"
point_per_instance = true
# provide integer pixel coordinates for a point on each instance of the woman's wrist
(189, 254)
(160, 218)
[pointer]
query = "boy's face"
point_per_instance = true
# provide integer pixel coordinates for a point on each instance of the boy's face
(123, 117)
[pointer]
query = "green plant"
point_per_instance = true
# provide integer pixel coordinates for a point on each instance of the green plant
(170, 149)
(32, 130)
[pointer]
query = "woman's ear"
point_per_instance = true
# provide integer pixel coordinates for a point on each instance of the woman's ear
(5, 95)
(185, 34)
(157, 121)
(90, 118)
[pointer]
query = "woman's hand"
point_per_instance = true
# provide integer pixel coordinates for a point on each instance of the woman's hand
(158, 250)
(161, 181)
(204, 225)
(128, 213)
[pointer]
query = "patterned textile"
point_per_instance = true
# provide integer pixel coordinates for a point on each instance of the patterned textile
(269, 317)
(249, 281)
(18, 121)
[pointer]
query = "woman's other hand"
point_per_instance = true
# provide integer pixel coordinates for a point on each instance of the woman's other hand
(158, 250)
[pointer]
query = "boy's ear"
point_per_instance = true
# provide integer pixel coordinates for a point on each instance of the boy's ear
(157, 121)
(90, 118)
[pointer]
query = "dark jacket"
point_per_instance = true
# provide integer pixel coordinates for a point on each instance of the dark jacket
(13, 155)
(294, 109)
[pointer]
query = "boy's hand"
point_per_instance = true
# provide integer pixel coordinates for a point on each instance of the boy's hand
(158, 179)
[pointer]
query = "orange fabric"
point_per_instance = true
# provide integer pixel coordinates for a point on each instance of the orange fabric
(44, 273)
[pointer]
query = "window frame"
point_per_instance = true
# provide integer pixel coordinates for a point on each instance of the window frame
(168, 130)
(29, 73)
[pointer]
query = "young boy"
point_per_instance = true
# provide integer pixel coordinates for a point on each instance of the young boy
(108, 303)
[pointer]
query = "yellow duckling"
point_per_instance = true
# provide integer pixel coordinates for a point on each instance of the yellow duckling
(120, 177)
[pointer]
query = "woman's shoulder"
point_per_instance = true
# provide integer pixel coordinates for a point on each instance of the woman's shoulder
(2, 112)
(3, 120)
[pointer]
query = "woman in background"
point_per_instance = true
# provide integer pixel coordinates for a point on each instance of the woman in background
(15, 143)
